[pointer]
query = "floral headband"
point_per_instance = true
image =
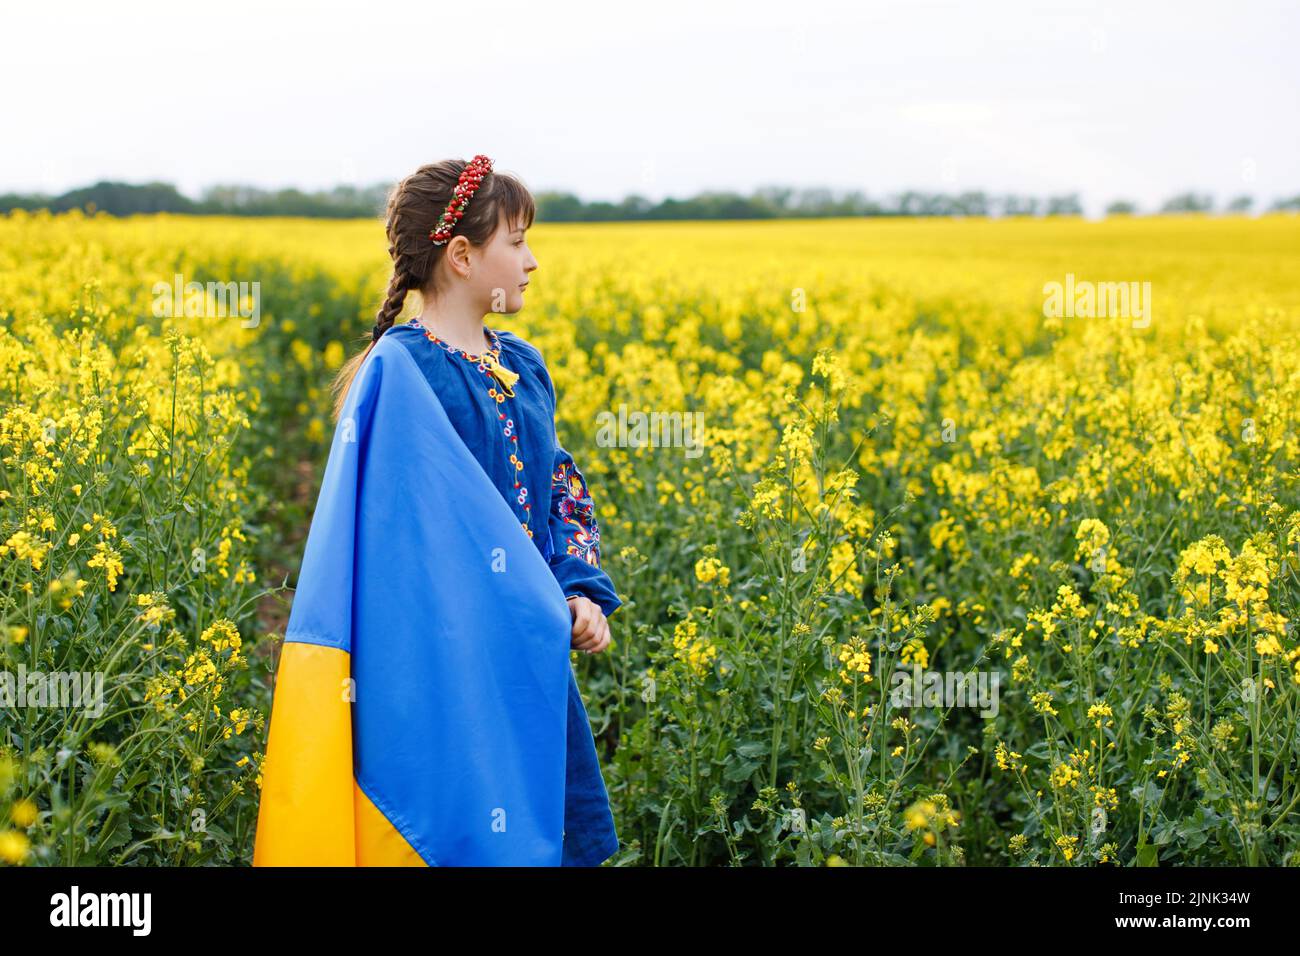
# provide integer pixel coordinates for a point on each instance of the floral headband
(471, 177)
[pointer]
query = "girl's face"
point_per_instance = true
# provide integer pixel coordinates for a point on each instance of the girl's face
(502, 272)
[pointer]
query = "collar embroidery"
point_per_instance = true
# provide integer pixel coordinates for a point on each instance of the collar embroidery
(488, 362)
(490, 366)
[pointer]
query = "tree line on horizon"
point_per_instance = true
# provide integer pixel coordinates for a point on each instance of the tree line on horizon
(769, 202)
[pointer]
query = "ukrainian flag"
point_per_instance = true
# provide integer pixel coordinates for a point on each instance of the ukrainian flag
(421, 699)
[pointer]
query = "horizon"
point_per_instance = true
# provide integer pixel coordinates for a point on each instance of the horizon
(1217, 205)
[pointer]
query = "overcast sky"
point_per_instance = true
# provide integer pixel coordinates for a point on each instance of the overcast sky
(1119, 99)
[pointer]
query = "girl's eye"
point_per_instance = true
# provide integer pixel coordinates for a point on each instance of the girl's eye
(519, 243)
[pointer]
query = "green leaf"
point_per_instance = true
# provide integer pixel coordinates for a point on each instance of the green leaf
(115, 834)
(740, 770)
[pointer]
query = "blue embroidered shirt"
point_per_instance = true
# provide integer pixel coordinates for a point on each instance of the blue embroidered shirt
(513, 437)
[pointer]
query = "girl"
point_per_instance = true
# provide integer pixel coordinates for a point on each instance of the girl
(465, 747)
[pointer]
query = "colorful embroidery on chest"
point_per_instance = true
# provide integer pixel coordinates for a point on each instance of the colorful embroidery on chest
(490, 366)
(575, 507)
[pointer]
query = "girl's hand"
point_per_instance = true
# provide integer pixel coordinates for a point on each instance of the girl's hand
(590, 627)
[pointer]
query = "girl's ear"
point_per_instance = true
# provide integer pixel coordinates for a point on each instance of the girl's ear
(457, 255)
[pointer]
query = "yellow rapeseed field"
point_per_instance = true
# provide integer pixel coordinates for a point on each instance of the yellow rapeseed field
(885, 454)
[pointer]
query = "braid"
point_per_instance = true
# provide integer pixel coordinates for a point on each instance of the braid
(405, 271)
(392, 307)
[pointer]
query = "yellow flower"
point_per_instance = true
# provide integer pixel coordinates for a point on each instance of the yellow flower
(914, 652)
(302, 353)
(1099, 710)
(711, 569)
(1042, 702)
(827, 365)
(23, 813)
(1021, 563)
(14, 846)
(1247, 577)
(856, 658)
(1200, 559)
(25, 547)
(1093, 536)
(1068, 603)
(223, 635)
(107, 558)
(919, 814)
(1064, 776)
(1068, 846)
(1008, 759)
(796, 443)
(1268, 646)
(1105, 797)
(156, 610)
(334, 355)
(697, 653)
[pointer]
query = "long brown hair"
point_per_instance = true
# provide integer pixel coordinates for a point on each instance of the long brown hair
(414, 207)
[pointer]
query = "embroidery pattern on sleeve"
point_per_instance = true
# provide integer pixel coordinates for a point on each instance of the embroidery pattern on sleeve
(575, 507)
